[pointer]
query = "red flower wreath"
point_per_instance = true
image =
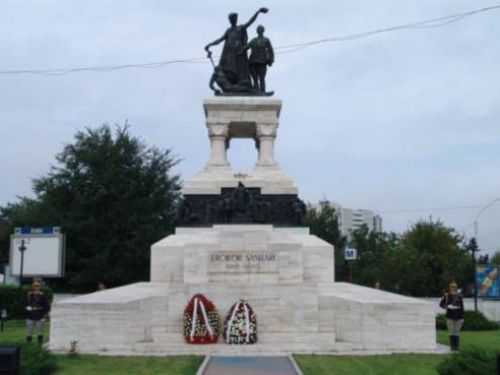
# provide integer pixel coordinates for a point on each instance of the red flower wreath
(201, 321)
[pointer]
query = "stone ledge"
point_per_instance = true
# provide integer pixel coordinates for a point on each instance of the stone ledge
(339, 348)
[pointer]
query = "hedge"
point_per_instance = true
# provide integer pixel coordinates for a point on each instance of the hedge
(473, 321)
(470, 361)
(36, 360)
(14, 299)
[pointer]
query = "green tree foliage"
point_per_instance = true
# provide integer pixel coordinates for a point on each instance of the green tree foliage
(420, 262)
(113, 196)
(483, 259)
(323, 222)
(439, 256)
(495, 259)
(378, 254)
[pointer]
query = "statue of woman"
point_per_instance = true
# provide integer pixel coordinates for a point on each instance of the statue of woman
(234, 60)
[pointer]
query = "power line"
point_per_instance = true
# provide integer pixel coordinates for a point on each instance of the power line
(63, 71)
(491, 247)
(285, 49)
(445, 208)
(429, 23)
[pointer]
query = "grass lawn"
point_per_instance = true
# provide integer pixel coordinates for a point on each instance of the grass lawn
(96, 365)
(408, 364)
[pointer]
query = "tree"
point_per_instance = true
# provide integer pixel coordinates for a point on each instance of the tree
(483, 259)
(439, 257)
(113, 197)
(495, 258)
(323, 222)
(374, 255)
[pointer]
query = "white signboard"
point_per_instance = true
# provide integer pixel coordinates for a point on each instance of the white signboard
(350, 253)
(44, 255)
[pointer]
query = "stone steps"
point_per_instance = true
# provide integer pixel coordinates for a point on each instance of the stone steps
(322, 338)
(156, 349)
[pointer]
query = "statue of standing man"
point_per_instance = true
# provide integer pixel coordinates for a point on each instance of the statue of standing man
(261, 55)
(233, 69)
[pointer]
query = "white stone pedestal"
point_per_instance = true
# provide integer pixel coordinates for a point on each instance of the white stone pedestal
(253, 118)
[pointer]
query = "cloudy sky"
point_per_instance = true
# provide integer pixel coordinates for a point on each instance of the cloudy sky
(404, 123)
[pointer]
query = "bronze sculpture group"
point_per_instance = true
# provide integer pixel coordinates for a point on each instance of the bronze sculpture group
(237, 73)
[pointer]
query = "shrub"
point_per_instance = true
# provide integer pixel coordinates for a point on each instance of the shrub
(14, 299)
(36, 360)
(471, 361)
(473, 321)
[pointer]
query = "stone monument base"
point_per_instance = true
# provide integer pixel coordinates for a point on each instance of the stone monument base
(146, 319)
(285, 274)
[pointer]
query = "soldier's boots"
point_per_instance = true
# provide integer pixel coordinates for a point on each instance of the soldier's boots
(457, 342)
(454, 342)
(29, 338)
(40, 340)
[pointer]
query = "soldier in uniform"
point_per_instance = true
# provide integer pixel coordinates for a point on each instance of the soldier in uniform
(453, 303)
(261, 55)
(38, 306)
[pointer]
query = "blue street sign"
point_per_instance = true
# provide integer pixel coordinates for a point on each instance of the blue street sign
(37, 230)
(350, 253)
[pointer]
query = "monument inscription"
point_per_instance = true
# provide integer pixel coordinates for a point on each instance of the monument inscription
(243, 262)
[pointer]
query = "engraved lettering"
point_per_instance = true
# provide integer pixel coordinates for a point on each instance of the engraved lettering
(242, 262)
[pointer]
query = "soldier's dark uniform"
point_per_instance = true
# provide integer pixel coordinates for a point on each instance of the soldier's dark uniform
(454, 305)
(38, 306)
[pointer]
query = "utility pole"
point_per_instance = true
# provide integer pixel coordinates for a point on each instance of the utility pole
(22, 249)
(474, 249)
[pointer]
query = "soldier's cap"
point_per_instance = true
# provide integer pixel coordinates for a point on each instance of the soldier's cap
(36, 283)
(453, 284)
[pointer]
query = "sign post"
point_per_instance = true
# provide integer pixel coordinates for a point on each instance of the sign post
(22, 249)
(350, 254)
(3, 316)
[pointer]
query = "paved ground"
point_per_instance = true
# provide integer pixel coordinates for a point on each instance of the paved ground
(250, 366)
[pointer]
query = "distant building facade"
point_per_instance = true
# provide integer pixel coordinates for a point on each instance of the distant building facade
(351, 219)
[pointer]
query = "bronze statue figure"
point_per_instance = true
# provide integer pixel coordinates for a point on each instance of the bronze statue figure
(232, 75)
(226, 86)
(261, 55)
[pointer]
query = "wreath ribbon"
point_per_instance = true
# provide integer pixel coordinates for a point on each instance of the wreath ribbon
(230, 323)
(195, 316)
(247, 321)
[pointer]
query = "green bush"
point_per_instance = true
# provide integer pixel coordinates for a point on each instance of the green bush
(36, 360)
(14, 300)
(471, 361)
(473, 321)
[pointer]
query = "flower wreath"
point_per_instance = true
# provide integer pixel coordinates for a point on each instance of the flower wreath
(241, 324)
(201, 321)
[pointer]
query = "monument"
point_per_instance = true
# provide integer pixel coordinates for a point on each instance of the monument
(241, 242)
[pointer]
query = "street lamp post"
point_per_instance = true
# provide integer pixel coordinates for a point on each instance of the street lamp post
(22, 249)
(481, 211)
(476, 232)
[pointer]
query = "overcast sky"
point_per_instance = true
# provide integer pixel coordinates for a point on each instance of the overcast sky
(407, 121)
